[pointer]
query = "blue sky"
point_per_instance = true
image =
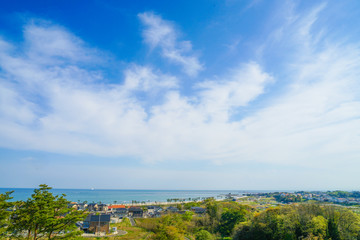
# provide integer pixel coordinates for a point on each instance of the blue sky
(229, 94)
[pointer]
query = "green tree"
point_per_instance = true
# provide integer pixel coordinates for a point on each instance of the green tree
(348, 224)
(203, 235)
(229, 219)
(333, 230)
(187, 216)
(4, 213)
(304, 221)
(213, 212)
(168, 233)
(45, 215)
(170, 227)
(318, 227)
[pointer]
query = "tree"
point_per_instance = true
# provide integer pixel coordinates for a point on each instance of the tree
(170, 227)
(4, 213)
(229, 219)
(203, 235)
(348, 224)
(318, 227)
(333, 230)
(213, 212)
(303, 221)
(187, 216)
(45, 215)
(168, 233)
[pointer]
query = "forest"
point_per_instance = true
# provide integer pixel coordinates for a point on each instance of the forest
(230, 220)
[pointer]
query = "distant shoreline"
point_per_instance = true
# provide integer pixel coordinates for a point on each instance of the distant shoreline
(128, 197)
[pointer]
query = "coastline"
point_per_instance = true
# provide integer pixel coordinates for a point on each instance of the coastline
(125, 197)
(163, 203)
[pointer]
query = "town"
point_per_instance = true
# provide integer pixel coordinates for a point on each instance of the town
(102, 216)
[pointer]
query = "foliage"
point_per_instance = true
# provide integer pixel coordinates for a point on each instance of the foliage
(222, 217)
(187, 216)
(148, 223)
(213, 215)
(229, 219)
(168, 233)
(288, 198)
(189, 205)
(45, 215)
(133, 232)
(4, 212)
(304, 221)
(171, 226)
(344, 194)
(203, 235)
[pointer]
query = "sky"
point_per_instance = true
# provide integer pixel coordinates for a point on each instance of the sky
(204, 94)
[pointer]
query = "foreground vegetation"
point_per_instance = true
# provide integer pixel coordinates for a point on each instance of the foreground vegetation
(230, 220)
(44, 216)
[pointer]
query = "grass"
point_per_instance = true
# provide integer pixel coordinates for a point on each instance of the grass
(133, 232)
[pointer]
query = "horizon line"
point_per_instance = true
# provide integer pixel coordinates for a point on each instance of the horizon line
(132, 189)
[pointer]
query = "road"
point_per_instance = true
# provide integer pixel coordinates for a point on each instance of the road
(132, 221)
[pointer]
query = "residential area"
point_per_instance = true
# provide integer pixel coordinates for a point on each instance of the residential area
(336, 197)
(103, 217)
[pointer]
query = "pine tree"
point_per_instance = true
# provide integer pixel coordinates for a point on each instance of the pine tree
(45, 215)
(4, 212)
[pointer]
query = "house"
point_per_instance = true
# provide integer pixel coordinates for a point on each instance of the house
(102, 207)
(136, 212)
(341, 200)
(172, 209)
(82, 206)
(92, 207)
(97, 223)
(154, 211)
(118, 210)
(78, 206)
(198, 210)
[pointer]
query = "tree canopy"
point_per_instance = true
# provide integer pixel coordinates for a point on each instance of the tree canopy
(44, 215)
(5, 205)
(304, 221)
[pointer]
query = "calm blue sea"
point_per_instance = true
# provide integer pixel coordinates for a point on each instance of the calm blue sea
(122, 196)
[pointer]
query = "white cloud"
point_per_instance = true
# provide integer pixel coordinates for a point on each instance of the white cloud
(75, 114)
(160, 33)
(63, 108)
(238, 89)
(50, 44)
(144, 79)
(13, 106)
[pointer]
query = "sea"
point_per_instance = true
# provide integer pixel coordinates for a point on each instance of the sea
(124, 196)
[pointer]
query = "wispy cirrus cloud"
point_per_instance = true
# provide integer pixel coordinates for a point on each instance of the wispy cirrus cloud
(52, 44)
(162, 34)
